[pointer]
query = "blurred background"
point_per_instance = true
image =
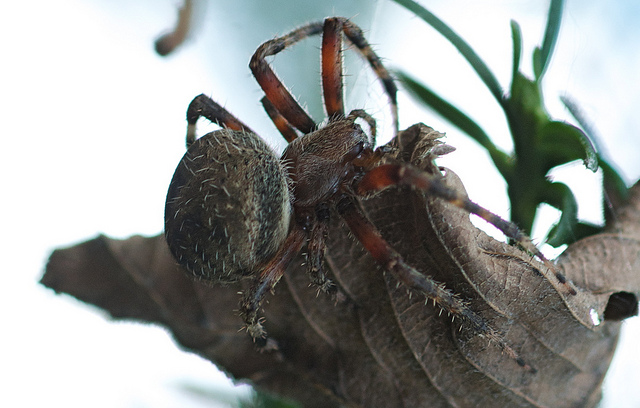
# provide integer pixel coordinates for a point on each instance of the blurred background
(93, 126)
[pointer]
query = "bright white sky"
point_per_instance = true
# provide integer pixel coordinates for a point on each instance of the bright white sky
(93, 126)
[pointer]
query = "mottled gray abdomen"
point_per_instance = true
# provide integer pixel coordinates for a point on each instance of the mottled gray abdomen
(228, 207)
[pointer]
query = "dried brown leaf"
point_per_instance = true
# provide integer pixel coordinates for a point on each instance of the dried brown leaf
(383, 347)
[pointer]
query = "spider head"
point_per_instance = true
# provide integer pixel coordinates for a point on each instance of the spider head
(321, 162)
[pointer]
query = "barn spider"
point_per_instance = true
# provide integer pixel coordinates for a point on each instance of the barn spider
(235, 210)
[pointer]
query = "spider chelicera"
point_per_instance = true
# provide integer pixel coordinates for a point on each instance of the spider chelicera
(234, 210)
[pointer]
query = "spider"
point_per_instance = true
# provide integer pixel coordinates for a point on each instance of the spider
(234, 210)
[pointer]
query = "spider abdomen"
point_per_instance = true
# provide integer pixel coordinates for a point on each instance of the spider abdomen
(228, 207)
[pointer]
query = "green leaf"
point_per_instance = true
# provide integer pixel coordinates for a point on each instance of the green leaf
(558, 195)
(613, 182)
(465, 49)
(516, 35)
(537, 64)
(539, 142)
(616, 191)
(550, 38)
(579, 231)
(560, 143)
(457, 118)
(577, 113)
(445, 109)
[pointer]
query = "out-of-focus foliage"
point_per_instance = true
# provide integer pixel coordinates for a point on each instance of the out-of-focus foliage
(540, 143)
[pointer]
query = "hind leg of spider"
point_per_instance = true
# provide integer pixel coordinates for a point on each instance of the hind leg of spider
(388, 175)
(203, 106)
(265, 282)
(392, 262)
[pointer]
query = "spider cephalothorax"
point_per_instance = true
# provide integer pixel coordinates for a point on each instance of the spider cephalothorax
(234, 210)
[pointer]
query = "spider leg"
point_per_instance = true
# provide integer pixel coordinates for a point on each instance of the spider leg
(282, 124)
(265, 282)
(202, 105)
(273, 88)
(282, 99)
(388, 175)
(316, 248)
(359, 113)
(355, 35)
(392, 261)
(332, 67)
